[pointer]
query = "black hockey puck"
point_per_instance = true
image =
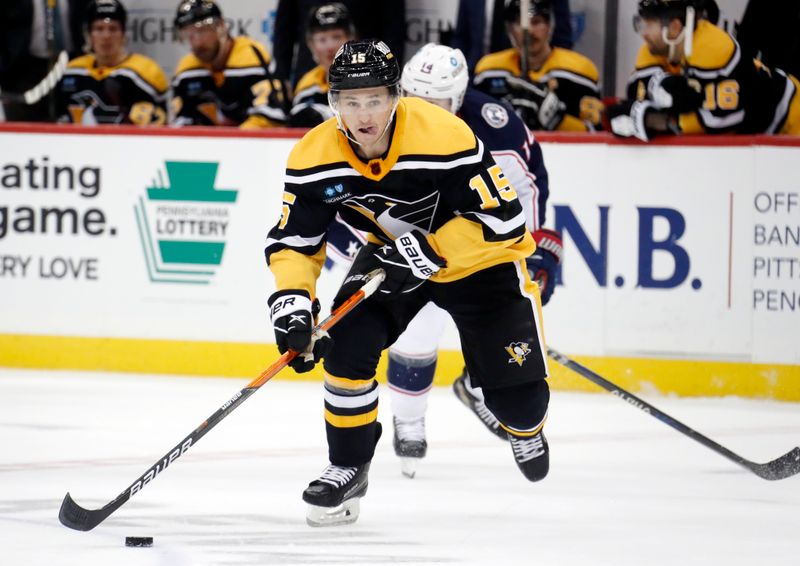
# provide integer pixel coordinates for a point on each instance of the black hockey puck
(138, 541)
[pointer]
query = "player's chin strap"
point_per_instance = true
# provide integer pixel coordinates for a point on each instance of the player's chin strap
(686, 36)
(347, 134)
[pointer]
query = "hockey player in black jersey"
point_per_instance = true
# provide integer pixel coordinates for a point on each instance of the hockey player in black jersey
(446, 226)
(224, 81)
(692, 77)
(439, 74)
(110, 85)
(329, 26)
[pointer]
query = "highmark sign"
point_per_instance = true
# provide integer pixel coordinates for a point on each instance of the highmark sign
(183, 223)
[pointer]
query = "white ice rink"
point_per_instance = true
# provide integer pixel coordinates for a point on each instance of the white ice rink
(623, 489)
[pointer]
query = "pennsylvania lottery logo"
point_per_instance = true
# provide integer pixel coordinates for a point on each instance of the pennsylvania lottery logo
(183, 223)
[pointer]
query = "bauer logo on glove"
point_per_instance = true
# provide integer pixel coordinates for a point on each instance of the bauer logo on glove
(292, 313)
(408, 262)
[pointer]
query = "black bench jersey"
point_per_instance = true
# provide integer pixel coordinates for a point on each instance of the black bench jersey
(133, 92)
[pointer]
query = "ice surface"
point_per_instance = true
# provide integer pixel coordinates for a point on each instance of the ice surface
(624, 489)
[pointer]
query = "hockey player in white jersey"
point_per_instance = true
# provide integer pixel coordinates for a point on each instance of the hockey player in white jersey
(439, 75)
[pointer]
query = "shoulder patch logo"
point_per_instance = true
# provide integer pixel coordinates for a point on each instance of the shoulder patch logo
(334, 193)
(494, 114)
(518, 351)
(333, 190)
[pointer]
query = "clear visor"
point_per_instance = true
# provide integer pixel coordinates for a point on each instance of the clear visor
(203, 27)
(362, 101)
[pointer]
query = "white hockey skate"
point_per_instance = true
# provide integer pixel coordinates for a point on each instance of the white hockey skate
(333, 499)
(473, 399)
(409, 443)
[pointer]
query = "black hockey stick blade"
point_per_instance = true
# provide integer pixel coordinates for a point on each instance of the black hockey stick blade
(76, 517)
(784, 467)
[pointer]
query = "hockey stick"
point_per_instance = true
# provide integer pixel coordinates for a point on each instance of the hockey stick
(524, 23)
(76, 517)
(43, 88)
(778, 469)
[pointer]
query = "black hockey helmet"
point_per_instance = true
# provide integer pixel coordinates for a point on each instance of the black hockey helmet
(105, 10)
(543, 8)
(196, 12)
(668, 9)
(364, 64)
(329, 16)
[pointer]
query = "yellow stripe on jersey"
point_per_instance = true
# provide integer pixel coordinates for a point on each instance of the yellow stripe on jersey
(432, 131)
(460, 241)
(373, 239)
(317, 76)
(349, 384)
(257, 122)
(241, 56)
(559, 59)
(792, 124)
(689, 123)
(646, 59)
(572, 124)
(351, 421)
(523, 434)
(713, 49)
(144, 67)
(318, 147)
(293, 270)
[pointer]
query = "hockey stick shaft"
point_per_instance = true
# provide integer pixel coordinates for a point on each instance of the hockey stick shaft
(780, 468)
(524, 23)
(50, 23)
(43, 87)
(76, 517)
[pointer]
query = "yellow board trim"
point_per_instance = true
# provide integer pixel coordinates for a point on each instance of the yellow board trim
(351, 421)
(229, 359)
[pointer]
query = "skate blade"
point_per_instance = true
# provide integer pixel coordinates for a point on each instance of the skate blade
(343, 514)
(409, 467)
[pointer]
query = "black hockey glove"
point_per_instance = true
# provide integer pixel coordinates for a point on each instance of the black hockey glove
(673, 92)
(539, 107)
(408, 262)
(542, 264)
(628, 118)
(292, 314)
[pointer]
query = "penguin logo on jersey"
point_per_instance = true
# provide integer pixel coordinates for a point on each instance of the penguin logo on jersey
(518, 351)
(494, 114)
(394, 216)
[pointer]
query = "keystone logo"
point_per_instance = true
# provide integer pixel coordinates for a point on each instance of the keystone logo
(183, 223)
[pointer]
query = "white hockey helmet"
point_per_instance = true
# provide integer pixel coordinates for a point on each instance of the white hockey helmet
(437, 71)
